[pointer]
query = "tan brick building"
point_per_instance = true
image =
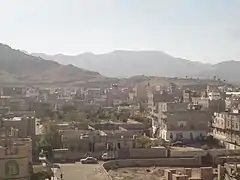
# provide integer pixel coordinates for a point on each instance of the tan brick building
(226, 128)
(178, 121)
(14, 162)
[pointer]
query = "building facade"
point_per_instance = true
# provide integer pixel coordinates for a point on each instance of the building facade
(181, 121)
(226, 128)
(15, 161)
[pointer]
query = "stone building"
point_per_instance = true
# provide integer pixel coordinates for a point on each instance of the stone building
(13, 91)
(26, 126)
(210, 106)
(226, 128)
(79, 143)
(180, 121)
(14, 162)
(15, 156)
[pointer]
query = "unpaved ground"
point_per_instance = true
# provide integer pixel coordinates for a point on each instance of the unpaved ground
(78, 171)
(151, 173)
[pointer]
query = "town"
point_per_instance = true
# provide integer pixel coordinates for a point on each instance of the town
(160, 128)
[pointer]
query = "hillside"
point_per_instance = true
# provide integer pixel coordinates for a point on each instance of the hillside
(131, 63)
(16, 66)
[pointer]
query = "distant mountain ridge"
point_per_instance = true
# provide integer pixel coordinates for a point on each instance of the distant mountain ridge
(150, 63)
(226, 70)
(16, 66)
(130, 63)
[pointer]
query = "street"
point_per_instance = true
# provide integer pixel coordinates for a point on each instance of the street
(80, 171)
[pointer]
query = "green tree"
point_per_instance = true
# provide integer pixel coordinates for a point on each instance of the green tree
(51, 137)
(44, 141)
(143, 141)
(68, 108)
(113, 117)
(75, 116)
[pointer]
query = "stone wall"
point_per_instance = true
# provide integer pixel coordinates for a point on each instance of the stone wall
(168, 162)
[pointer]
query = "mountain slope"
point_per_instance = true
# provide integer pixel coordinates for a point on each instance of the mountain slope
(226, 70)
(130, 63)
(24, 67)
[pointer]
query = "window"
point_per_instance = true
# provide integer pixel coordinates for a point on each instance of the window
(236, 125)
(228, 123)
(11, 168)
(191, 135)
(181, 135)
(119, 146)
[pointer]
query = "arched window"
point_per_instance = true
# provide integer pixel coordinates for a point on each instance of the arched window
(11, 168)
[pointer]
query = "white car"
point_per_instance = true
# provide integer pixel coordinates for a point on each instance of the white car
(106, 157)
(89, 160)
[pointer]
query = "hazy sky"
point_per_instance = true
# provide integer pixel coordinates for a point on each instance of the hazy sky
(205, 30)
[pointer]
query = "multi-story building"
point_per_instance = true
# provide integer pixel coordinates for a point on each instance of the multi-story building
(154, 98)
(92, 93)
(188, 95)
(14, 162)
(226, 128)
(181, 121)
(32, 92)
(15, 155)
(101, 137)
(25, 126)
(13, 91)
(214, 95)
(210, 105)
(140, 92)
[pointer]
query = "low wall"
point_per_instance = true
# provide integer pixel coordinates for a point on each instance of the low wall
(148, 153)
(212, 152)
(162, 162)
(222, 160)
(224, 152)
(186, 153)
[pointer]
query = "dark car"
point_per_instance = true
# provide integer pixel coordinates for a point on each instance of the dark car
(178, 144)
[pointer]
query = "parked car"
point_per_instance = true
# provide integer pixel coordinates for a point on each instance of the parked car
(106, 157)
(89, 160)
(178, 144)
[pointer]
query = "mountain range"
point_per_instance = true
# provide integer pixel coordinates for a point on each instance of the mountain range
(20, 66)
(150, 63)
(131, 63)
(17, 66)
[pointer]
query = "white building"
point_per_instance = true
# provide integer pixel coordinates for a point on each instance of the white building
(214, 95)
